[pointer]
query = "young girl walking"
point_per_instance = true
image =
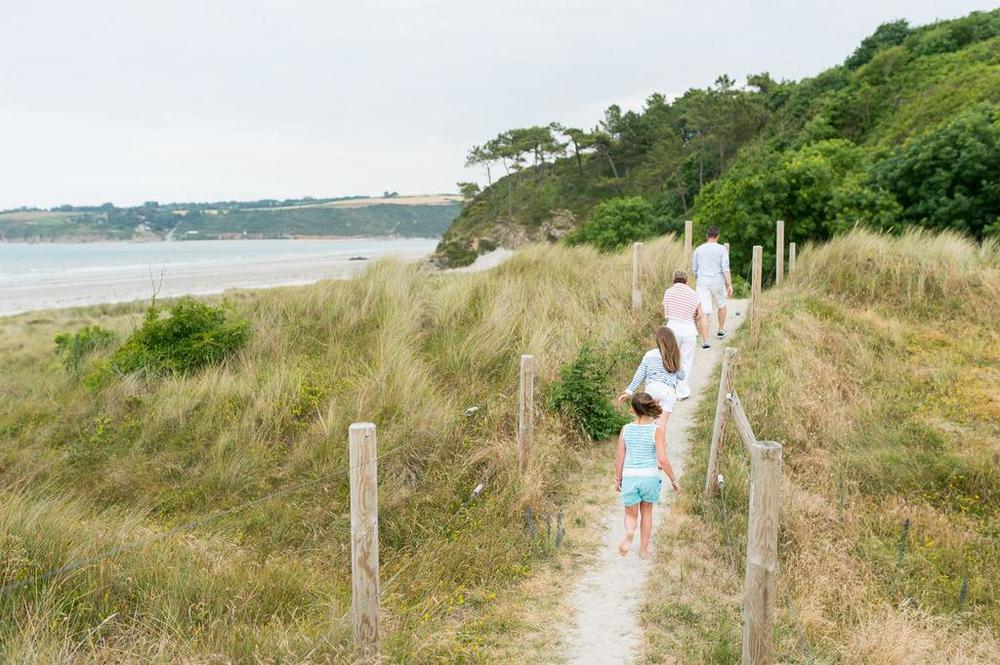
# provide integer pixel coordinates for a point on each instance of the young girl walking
(660, 370)
(641, 454)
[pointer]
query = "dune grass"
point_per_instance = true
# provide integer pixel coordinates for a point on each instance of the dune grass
(182, 470)
(877, 368)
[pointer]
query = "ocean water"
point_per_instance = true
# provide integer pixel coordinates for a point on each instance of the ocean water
(49, 275)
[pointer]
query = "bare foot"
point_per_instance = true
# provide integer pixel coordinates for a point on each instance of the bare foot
(648, 554)
(626, 544)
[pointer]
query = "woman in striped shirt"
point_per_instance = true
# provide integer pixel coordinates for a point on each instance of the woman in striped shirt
(683, 314)
(642, 452)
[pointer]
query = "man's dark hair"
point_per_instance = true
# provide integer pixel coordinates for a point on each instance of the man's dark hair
(713, 232)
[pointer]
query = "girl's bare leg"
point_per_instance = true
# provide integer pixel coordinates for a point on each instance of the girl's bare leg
(645, 527)
(631, 517)
(662, 421)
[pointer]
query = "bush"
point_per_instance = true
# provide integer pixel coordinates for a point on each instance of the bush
(616, 222)
(194, 335)
(581, 393)
(72, 349)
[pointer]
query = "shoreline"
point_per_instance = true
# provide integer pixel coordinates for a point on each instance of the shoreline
(156, 240)
(85, 278)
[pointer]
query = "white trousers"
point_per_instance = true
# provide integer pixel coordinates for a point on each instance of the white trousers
(687, 339)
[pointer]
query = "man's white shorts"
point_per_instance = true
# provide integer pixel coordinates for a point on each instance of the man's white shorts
(707, 292)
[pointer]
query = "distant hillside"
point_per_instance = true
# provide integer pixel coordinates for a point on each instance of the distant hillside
(905, 132)
(391, 215)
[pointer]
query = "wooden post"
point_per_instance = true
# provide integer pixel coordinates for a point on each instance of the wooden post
(779, 253)
(758, 255)
(721, 420)
(726, 245)
(526, 416)
(688, 233)
(364, 539)
(636, 291)
(791, 257)
(762, 554)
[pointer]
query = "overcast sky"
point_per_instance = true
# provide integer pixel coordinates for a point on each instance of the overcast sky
(180, 100)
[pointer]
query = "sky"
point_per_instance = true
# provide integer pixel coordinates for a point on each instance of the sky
(205, 100)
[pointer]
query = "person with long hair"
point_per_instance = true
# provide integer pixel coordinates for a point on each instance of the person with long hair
(642, 452)
(660, 371)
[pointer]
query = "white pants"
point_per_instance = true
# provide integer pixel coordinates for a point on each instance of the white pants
(687, 338)
(664, 395)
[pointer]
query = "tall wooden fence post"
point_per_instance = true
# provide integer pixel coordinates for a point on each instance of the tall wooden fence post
(364, 539)
(526, 412)
(721, 420)
(636, 277)
(758, 256)
(791, 257)
(762, 553)
(688, 237)
(779, 252)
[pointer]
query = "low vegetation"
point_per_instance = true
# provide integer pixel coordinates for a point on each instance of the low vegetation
(876, 368)
(222, 491)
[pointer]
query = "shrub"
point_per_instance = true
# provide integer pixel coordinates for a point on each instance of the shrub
(193, 335)
(73, 349)
(616, 222)
(581, 393)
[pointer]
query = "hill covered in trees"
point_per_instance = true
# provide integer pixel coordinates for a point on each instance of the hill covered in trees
(389, 215)
(906, 132)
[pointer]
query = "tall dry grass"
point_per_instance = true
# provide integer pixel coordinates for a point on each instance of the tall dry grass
(83, 472)
(876, 367)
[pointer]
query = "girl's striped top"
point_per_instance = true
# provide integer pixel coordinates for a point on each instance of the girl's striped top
(651, 370)
(640, 446)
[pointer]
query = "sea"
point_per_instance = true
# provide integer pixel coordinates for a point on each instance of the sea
(55, 275)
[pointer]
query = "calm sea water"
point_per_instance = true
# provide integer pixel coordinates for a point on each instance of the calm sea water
(46, 275)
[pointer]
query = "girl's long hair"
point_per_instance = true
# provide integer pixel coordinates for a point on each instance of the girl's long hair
(670, 352)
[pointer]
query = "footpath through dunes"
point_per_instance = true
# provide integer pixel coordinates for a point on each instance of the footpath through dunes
(607, 598)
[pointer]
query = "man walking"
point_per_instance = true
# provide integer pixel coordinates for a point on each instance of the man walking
(710, 264)
(682, 312)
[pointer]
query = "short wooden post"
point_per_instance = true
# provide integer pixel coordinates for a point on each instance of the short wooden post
(758, 256)
(779, 252)
(762, 554)
(791, 257)
(526, 415)
(721, 420)
(636, 291)
(688, 237)
(364, 539)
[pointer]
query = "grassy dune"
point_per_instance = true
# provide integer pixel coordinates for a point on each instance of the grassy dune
(166, 467)
(877, 368)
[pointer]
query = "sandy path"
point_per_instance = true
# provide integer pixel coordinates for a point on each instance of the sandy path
(607, 597)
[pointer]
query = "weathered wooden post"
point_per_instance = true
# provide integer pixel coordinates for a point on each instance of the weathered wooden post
(526, 412)
(791, 257)
(762, 553)
(364, 539)
(721, 420)
(688, 233)
(758, 256)
(636, 290)
(726, 245)
(779, 253)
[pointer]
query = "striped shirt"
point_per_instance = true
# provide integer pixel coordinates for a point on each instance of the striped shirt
(640, 446)
(651, 370)
(680, 302)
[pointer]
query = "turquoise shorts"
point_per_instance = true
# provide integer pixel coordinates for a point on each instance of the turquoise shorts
(640, 488)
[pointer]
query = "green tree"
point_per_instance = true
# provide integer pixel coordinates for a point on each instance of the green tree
(948, 177)
(617, 222)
